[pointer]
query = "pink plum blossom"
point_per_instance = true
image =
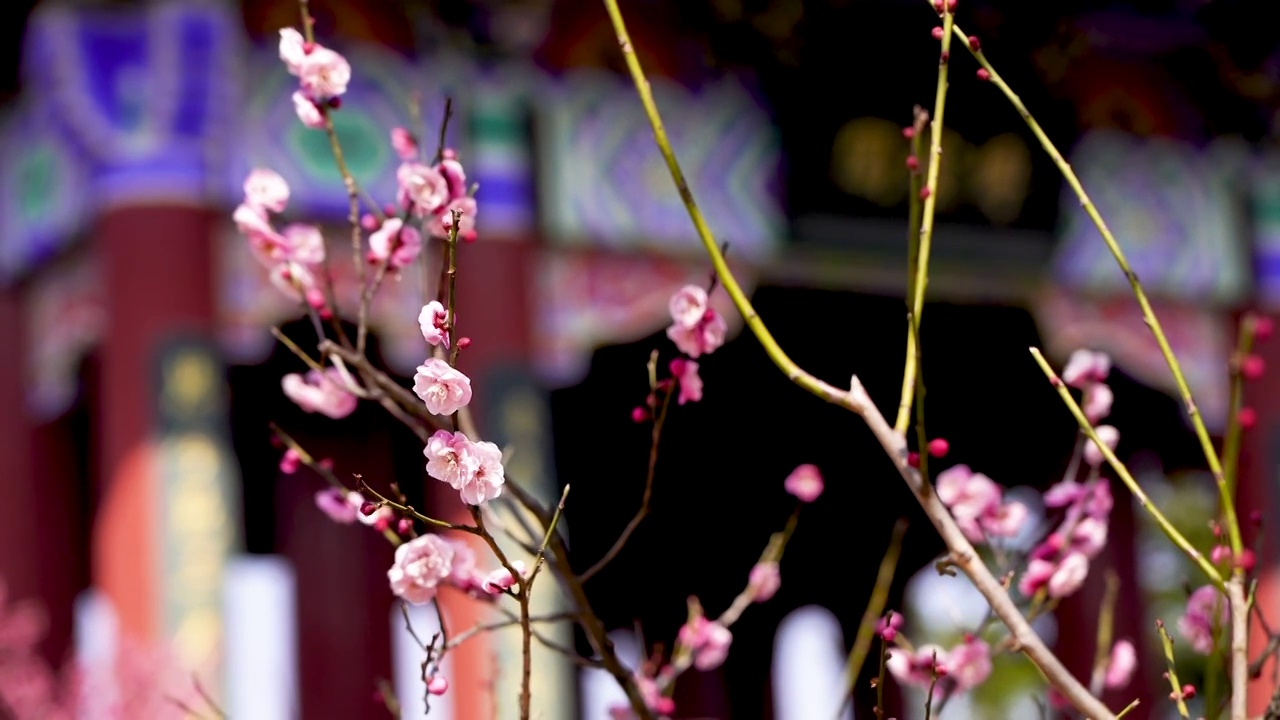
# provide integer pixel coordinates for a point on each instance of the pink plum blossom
(433, 320)
(1086, 367)
(1097, 402)
(421, 565)
(1069, 575)
(501, 579)
(320, 393)
(708, 640)
(1109, 437)
(916, 668)
(805, 482)
(438, 685)
(690, 382)
(703, 338)
(474, 469)
(380, 518)
(976, 503)
(764, 581)
(1207, 612)
(1124, 660)
(466, 207)
(252, 222)
(454, 176)
(404, 143)
(1036, 576)
(395, 244)
(290, 461)
(1064, 493)
(304, 244)
(1089, 536)
(688, 305)
(444, 389)
(334, 503)
(422, 188)
(660, 704)
(307, 111)
(264, 188)
(323, 73)
(297, 282)
(292, 49)
(969, 663)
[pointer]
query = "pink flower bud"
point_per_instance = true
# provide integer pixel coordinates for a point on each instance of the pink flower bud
(1188, 691)
(974, 44)
(887, 627)
(1262, 326)
(908, 132)
(805, 482)
(438, 685)
(390, 210)
(289, 462)
(1124, 660)
(924, 193)
(983, 75)
(764, 581)
(405, 526)
(1248, 418)
(335, 102)
(1247, 560)
(913, 163)
(325, 464)
(1252, 367)
(1219, 554)
(939, 447)
(913, 459)
(369, 222)
(464, 343)
(639, 414)
(368, 508)
(937, 33)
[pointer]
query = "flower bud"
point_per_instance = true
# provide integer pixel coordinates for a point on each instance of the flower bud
(983, 75)
(405, 526)
(368, 508)
(1252, 367)
(1247, 417)
(939, 447)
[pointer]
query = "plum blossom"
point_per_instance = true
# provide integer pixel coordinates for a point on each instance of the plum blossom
(292, 49)
(917, 668)
(805, 482)
(764, 581)
(434, 321)
(976, 502)
(404, 143)
(1097, 402)
(290, 461)
(320, 393)
(708, 641)
(265, 189)
(395, 244)
(1069, 575)
(1086, 367)
(381, 517)
(466, 207)
(304, 244)
(297, 282)
(687, 378)
(1207, 612)
(444, 389)
(421, 565)
(660, 704)
(501, 579)
(1109, 437)
(1124, 660)
(323, 73)
(422, 188)
(688, 305)
(307, 111)
(334, 503)
(474, 469)
(969, 663)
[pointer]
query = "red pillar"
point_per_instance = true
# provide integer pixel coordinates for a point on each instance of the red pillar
(158, 278)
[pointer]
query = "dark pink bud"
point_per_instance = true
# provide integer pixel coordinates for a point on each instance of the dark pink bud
(639, 414)
(335, 102)
(464, 343)
(945, 57)
(325, 464)
(1188, 691)
(924, 193)
(940, 670)
(951, 5)
(913, 459)
(913, 163)
(325, 313)
(1252, 367)
(908, 132)
(369, 222)
(389, 210)
(937, 33)
(276, 442)
(677, 366)
(289, 463)
(405, 526)
(1255, 518)
(983, 75)
(664, 706)
(974, 44)
(1262, 327)
(939, 447)
(1248, 418)
(308, 47)
(1247, 560)
(368, 508)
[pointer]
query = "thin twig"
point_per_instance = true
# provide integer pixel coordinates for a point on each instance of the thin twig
(208, 699)
(1106, 627)
(933, 682)
(1166, 642)
(919, 122)
(875, 610)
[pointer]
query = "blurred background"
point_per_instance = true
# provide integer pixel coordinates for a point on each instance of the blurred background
(148, 536)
